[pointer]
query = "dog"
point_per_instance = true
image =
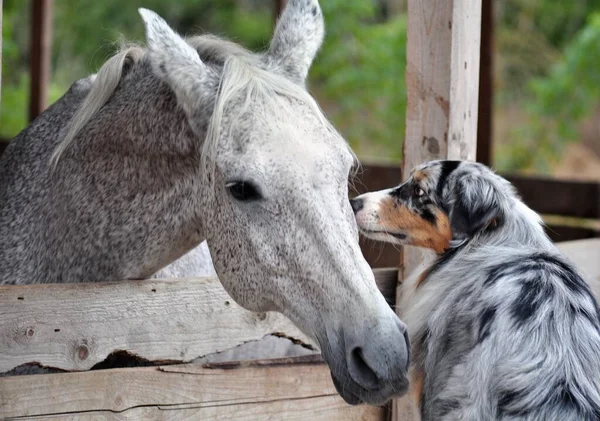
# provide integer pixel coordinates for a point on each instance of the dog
(502, 327)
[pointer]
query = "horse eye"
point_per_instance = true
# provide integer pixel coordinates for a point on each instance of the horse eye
(243, 191)
(419, 192)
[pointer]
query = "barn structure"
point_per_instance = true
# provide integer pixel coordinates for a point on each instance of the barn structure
(77, 327)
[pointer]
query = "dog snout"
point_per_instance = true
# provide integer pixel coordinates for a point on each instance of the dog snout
(357, 204)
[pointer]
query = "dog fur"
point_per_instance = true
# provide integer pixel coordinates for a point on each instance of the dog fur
(502, 326)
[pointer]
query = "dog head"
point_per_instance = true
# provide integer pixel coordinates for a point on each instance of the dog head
(441, 202)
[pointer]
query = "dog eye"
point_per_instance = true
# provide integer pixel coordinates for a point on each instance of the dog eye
(243, 191)
(419, 192)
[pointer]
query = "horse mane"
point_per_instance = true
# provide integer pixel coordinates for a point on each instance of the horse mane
(243, 72)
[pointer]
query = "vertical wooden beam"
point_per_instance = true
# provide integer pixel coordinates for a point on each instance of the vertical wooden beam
(41, 42)
(485, 124)
(442, 80)
(0, 59)
(279, 5)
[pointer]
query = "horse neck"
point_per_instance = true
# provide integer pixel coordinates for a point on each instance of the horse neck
(138, 165)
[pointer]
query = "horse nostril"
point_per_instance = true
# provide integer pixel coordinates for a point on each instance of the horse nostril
(360, 370)
(357, 204)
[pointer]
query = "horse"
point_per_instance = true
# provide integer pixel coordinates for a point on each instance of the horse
(200, 139)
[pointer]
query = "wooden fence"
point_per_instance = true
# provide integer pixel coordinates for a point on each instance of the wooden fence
(76, 326)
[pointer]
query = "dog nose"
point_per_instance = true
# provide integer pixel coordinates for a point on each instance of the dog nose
(357, 204)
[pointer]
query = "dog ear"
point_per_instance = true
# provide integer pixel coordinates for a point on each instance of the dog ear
(476, 207)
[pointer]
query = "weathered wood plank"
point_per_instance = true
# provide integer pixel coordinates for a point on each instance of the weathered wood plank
(322, 408)
(464, 79)
(0, 63)
(442, 82)
(485, 118)
(75, 326)
(561, 233)
(299, 392)
(559, 197)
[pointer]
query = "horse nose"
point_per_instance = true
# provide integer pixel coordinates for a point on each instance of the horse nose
(381, 358)
(357, 204)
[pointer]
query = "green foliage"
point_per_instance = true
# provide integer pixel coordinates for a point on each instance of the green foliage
(15, 100)
(559, 102)
(86, 33)
(101, 25)
(359, 77)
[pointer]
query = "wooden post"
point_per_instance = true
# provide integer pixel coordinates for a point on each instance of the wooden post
(0, 58)
(279, 5)
(485, 122)
(442, 80)
(41, 42)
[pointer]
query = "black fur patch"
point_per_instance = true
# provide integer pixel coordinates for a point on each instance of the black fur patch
(494, 274)
(506, 400)
(469, 218)
(447, 168)
(594, 319)
(402, 192)
(446, 406)
(486, 319)
(533, 294)
(427, 215)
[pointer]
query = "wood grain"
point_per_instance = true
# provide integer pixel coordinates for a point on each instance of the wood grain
(442, 82)
(75, 326)
(283, 392)
(322, 408)
(559, 197)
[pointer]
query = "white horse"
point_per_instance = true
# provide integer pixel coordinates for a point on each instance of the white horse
(200, 139)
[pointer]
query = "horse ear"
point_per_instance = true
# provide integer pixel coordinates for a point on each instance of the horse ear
(175, 62)
(297, 38)
(475, 208)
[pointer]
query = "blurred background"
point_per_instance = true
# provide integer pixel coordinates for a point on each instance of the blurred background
(546, 69)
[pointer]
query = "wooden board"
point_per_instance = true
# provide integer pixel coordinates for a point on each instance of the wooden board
(41, 51)
(442, 82)
(559, 197)
(183, 392)
(75, 326)
(0, 63)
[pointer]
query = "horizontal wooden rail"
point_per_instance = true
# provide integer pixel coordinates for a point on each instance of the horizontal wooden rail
(290, 388)
(559, 197)
(301, 391)
(76, 326)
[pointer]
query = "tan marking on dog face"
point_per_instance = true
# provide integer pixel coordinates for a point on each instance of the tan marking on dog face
(419, 176)
(394, 217)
